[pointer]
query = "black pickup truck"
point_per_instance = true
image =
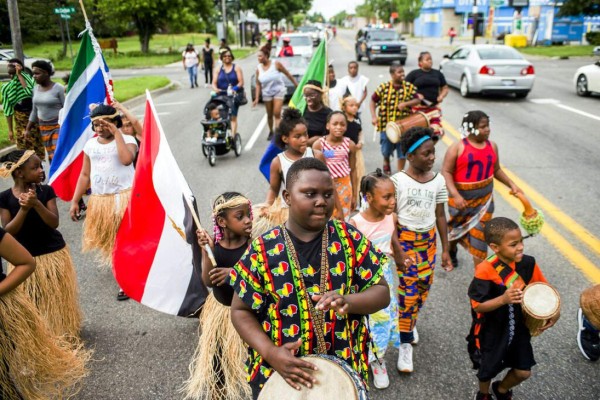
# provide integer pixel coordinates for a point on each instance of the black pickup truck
(380, 45)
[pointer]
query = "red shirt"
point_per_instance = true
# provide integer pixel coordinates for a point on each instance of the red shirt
(475, 165)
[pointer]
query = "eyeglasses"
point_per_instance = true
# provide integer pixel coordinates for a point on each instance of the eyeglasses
(311, 95)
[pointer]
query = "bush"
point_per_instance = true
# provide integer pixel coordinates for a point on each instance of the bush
(593, 37)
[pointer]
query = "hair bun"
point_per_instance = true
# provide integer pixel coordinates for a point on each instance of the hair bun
(291, 114)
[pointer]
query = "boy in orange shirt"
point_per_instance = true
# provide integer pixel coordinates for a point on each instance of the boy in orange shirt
(499, 338)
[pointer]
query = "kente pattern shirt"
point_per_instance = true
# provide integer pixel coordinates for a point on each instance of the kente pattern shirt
(268, 281)
(387, 97)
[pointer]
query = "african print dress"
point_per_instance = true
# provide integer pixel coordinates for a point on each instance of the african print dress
(269, 281)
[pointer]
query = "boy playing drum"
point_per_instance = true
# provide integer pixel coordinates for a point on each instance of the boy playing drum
(304, 287)
(499, 338)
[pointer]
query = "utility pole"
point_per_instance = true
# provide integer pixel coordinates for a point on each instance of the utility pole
(475, 15)
(224, 13)
(15, 29)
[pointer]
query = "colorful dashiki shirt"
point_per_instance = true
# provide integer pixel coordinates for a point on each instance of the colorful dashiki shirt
(267, 280)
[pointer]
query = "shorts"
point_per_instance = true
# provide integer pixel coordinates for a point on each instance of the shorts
(387, 147)
(280, 95)
(234, 109)
(519, 355)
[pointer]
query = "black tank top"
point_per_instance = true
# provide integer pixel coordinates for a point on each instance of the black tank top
(226, 258)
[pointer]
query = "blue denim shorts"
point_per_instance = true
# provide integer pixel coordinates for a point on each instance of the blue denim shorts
(387, 147)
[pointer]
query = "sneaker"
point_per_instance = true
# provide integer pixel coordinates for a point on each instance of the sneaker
(483, 396)
(453, 257)
(405, 358)
(270, 136)
(415, 336)
(498, 395)
(587, 340)
(122, 296)
(380, 376)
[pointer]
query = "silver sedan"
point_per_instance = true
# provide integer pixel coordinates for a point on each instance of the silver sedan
(488, 68)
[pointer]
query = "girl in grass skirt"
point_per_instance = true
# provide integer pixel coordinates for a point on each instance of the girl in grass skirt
(108, 167)
(217, 370)
(28, 211)
(34, 363)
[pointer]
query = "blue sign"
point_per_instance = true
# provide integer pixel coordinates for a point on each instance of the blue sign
(567, 29)
(465, 6)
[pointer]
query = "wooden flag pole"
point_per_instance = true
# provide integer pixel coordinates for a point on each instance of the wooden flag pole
(211, 256)
(83, 10)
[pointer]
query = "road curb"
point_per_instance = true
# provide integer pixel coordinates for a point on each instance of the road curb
(134, 102)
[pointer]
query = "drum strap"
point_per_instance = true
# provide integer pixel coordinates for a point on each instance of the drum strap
(317, 316)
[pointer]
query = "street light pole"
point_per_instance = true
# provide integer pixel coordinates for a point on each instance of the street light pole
(15, 29)
(224, 13)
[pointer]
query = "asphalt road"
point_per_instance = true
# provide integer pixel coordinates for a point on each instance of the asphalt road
(547, 140)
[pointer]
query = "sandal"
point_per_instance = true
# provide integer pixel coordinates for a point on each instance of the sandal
(122, 296)
(387, 170)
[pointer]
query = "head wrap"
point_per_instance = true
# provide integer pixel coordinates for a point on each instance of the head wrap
(8, 167)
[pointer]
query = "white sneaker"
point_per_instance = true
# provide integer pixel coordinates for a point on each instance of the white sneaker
(416, 336)
(380, 376)
(405, 358)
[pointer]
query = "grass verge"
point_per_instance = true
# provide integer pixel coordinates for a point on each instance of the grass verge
(4, 142)
(559, 51)
(164, 49)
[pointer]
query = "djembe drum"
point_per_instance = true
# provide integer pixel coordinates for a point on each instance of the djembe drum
(541, 302)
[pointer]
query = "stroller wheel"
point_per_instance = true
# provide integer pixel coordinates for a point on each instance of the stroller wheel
(212, 155)
(237, 144)
(204, 150)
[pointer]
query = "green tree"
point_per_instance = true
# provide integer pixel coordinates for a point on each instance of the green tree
(339, 18)
(408, 10)
(578, 7)
(151, 16)
(276, 10)
(298, 19)
(316, 17)
(365, 10)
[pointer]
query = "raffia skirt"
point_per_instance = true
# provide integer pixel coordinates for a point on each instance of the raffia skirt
(267, 217)
(102, 221)
(217, 369)
(34, 364)
(54, 292)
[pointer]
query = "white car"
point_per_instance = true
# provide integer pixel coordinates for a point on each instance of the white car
(301, 43)
(487, 68)
(587, 79)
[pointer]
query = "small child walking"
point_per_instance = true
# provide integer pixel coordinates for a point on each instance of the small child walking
(421, 196)
(340, 157)
(354, 132)
(217, 369)
(378, 224)
(36, 364)
(108, 167)
(499, 338)
(469, 168)
(29, 212)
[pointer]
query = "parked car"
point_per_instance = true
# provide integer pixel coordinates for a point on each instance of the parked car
(296, 66)
(380, 45)
(7, 54)
(315, 35)
(488, 68)
(587, 79)
(301, 44)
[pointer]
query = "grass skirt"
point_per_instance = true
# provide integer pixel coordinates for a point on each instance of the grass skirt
(54, 292)
(217, 369)
(102, 221)
(267, 217)
(34, 364)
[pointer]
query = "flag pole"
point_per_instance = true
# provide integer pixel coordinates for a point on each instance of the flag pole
(83, 10)
(211, 256)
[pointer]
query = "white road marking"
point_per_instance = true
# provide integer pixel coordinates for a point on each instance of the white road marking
(256, 134)
(576, 111)
(558, 104)
(544, 101)
(174, 103)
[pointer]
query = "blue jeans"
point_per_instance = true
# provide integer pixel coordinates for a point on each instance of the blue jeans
(387, 147)
(193, 73)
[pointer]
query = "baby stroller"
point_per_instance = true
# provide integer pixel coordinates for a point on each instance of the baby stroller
(222, 140)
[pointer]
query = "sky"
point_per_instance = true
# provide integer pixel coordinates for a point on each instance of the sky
(331, 7)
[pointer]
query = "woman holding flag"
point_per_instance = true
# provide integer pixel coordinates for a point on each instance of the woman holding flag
(108, 167)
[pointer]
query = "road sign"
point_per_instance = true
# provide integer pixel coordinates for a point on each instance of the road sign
(64, 10)
(65, 16)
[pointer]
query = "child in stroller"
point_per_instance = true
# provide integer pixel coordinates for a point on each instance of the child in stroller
(217, 138)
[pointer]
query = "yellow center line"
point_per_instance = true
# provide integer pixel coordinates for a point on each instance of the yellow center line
(344, 43)
(578, 259)
(549, 208)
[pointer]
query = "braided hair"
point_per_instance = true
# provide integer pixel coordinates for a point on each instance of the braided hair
(471, 121)
(221, 207)
(369, 182)
(289, 119)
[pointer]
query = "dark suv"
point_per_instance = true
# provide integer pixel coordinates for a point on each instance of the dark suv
(380, 45)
